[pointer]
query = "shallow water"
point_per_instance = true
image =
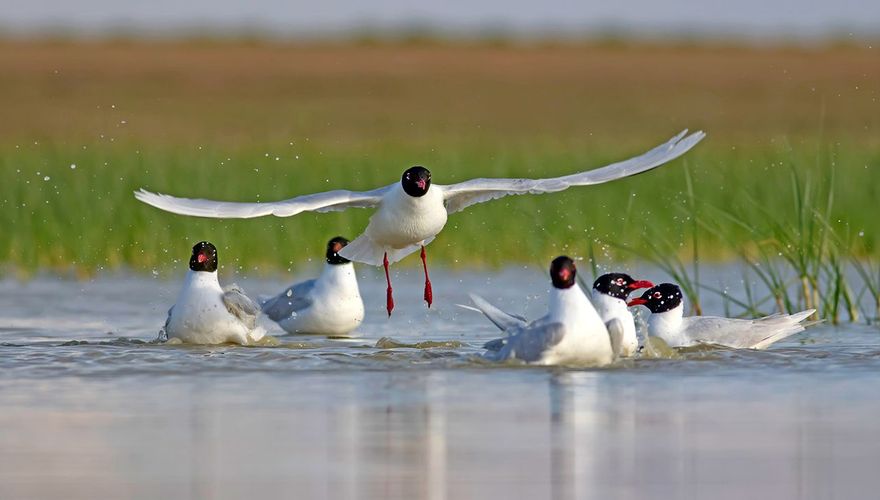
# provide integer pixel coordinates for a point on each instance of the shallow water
(92, 408)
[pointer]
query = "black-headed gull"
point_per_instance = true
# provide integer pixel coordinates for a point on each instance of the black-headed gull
(667, 322)
(204, 313)
(412, 212)
(609, 296)
(328, 305)
(570, 333)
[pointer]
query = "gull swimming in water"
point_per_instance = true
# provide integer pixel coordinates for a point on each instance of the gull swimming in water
(570, 333)
(609, 295)
(667, 322)
(204, 313)
(328, 305)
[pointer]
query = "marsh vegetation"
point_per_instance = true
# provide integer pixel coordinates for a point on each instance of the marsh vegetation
(786, 181)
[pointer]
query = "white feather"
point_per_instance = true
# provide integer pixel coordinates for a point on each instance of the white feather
(329, 305)
(678, 331)
(200, 316)
(402, 223)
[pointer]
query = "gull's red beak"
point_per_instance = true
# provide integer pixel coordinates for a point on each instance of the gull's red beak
(202, 258)
(640, 284)
(636, 302)
(421, 183)
(565, 274)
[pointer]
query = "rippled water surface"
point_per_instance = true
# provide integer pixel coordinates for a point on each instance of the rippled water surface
(90, 407)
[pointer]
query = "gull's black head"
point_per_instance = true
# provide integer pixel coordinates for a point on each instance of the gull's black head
(416, 181)
(204, 257)
(333, 248)
(661, 298)
(619, 285)
(563, 272)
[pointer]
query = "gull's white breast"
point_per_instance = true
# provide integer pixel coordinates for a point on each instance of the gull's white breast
(586, 339)
(403, 220)
(200, 317)
(610, 308)
(336, 305)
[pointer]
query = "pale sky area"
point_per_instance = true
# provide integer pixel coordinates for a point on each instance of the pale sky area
(301, 18)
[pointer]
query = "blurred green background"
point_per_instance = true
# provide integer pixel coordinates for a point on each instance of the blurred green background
(87, 122)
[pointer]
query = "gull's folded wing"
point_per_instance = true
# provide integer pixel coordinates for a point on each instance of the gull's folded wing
(241, 306)
(530, 342)
(293, 300)
(462, 195)
(318, 202)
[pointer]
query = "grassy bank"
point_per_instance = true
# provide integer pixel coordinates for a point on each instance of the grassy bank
(84, 125)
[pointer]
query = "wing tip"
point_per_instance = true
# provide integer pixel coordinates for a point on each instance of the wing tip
(689, 140)
(468, 308)
(144, 195)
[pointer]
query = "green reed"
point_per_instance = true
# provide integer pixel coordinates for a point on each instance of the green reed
(795, 241)
(84, 219)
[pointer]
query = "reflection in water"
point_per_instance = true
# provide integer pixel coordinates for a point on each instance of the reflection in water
(439, 434)
(123, 419)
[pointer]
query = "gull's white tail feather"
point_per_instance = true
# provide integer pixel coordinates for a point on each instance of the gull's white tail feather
(789, 325)
(364, 249)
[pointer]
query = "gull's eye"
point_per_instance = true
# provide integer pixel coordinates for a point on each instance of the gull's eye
(657, 295)
(619, 281)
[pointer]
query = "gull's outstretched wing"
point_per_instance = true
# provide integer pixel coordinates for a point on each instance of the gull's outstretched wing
(293, 300)
(462, 195)
(318, 202)
(241, 306)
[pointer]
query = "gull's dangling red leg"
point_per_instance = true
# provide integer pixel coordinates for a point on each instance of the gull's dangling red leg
(429, 292)
(389, 298)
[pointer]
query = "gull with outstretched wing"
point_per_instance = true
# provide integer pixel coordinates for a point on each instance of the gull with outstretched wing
(412, 212)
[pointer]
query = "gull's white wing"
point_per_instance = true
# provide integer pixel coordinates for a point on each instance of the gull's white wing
(318, 202)
(462, 195)
(743, 333)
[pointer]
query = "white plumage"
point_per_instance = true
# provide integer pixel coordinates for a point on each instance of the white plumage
(571, 333)
(206, 314)
(667, 321)
(678, 331)
(614, 309)
(403, 223)
(328, 305)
